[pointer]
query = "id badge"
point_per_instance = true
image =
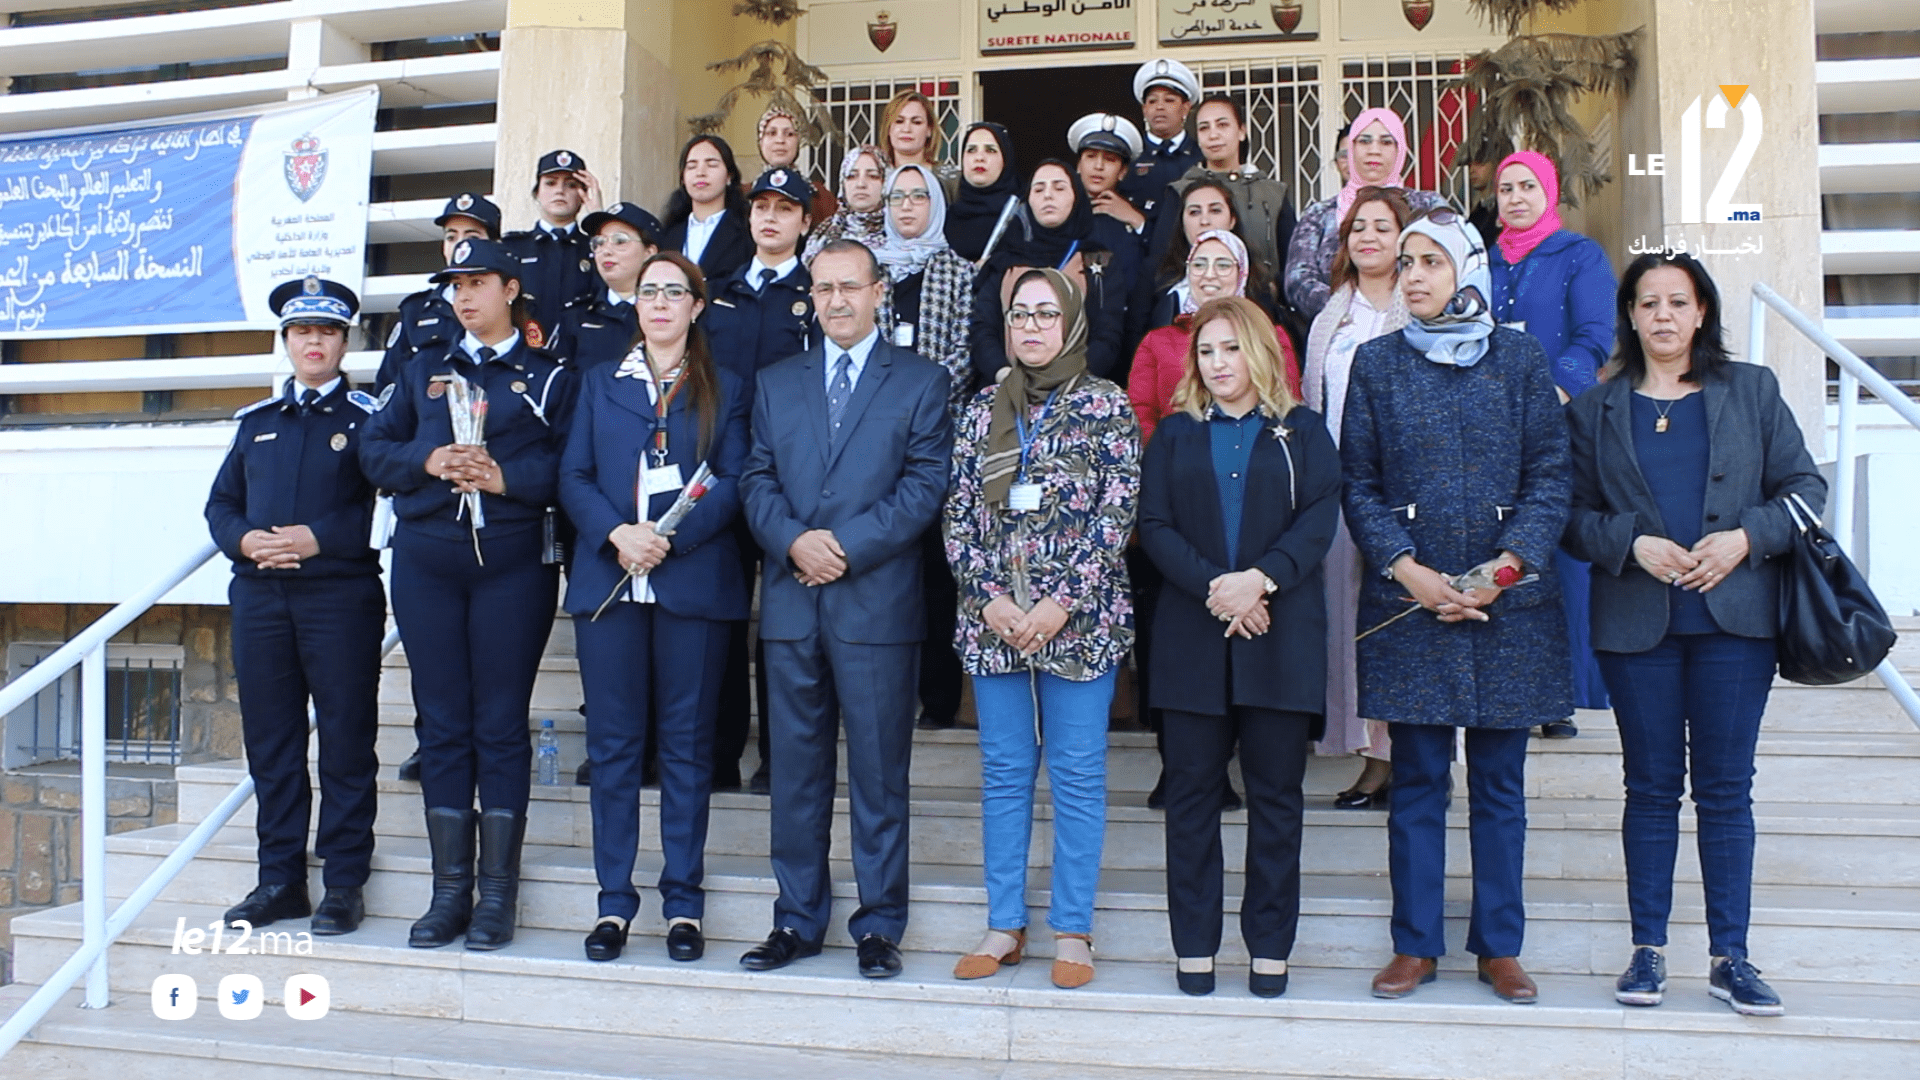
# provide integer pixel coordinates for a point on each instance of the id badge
(1023, 497)
(658, 481)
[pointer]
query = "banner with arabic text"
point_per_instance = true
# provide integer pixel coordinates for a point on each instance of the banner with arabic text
(184, 223)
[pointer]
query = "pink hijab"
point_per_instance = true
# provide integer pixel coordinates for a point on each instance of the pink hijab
(1516, 243)
(1396, 176)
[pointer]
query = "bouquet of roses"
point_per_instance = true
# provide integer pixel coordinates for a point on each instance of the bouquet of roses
(467, 405)
(1484, 576)
(683, 504)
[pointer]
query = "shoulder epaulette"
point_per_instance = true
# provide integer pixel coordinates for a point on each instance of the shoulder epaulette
(257, 406)
(367, 402)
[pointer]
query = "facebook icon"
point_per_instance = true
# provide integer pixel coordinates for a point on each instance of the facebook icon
(175, 997)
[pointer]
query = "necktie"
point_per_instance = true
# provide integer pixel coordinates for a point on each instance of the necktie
(766, 278)
(487, 353)
(839, 392)
(307, 399)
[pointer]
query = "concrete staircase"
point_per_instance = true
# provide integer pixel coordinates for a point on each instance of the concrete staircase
(1836, 926)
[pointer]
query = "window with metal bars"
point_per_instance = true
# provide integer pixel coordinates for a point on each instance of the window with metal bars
(1421, 88)
(1281, 99)
(856, 106)
(143, 708)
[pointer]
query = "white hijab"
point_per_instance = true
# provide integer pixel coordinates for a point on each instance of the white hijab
(904, 257)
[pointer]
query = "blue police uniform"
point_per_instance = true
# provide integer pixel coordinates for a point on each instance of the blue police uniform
(556, 266)
(595, 329)
(426, 319)
(312, 632)
(748, 328)
(659, 657)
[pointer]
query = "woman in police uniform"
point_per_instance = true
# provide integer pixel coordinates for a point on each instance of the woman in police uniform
(652, 608)
(475, 579)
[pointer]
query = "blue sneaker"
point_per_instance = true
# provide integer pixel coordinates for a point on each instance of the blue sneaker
(1645, 980)
(1737, 982)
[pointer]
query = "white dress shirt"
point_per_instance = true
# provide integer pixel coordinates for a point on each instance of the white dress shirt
(700, 233)
(861, 350)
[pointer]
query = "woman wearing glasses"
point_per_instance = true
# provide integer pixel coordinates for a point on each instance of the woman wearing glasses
(1046, 467)
(651, 608)
(597, 328)
(1454, 448)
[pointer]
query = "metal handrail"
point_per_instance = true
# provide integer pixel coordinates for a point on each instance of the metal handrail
(1854, 374)
(88, 649)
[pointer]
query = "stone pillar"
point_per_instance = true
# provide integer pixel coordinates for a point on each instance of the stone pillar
(587, 75)
(1690, 50)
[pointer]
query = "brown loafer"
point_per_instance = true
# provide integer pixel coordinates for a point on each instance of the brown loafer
(1508, 980)
(1404, 975)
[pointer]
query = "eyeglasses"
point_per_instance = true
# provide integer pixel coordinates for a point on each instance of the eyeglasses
(617, 240)
(1441, 215)
(825, 290)
(673, 293)
(1214, 268)
(918, 197)
(1044, 318)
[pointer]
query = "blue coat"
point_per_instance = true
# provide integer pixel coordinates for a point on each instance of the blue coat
(878, 487)
(613, 426)
(1455, 465)
(1564, 292)
(748, 330)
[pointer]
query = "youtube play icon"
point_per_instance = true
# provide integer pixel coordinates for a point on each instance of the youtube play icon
(307, 997)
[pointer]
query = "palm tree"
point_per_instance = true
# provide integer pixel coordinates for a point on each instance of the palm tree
(1524, 88)
(790, 86)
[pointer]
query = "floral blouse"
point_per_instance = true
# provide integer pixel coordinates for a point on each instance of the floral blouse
(1086, 458)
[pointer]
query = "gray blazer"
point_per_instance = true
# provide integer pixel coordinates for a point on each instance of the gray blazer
(1756, 458)
(878, 486)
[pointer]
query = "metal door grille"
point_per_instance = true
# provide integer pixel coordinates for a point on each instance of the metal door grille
(1417, 87)
(1281, 97)
(856, 105)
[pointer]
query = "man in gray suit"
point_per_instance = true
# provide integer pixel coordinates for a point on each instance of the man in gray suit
(851, 448)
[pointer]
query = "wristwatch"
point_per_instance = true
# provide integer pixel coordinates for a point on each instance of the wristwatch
(1270, 587)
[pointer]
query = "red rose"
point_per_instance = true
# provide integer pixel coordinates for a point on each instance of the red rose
(697, 490)
(1507, 577)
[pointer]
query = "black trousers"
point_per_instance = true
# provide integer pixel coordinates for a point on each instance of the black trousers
(293, 639)
(1146, 579)
(940, 673)
(474, 637)
(1273, 762)
(737, 709)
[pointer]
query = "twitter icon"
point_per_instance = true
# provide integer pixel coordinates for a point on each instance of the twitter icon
(239, 997)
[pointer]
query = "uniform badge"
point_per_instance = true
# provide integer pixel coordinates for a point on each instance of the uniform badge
(385, 396)
(565, 159)
(364, 401)
(311, 286)
(518, 387)
(436, 390)
(616, 208)
(799, 307)
(586, 265)
(778, 178)
(464, 202)
(266, 436)
(461, 251)
(338, 442)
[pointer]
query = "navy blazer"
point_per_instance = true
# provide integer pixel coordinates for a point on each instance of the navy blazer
(1291, 511)
(613, 427)
(1756, 458)
(727, 250)
(878, 488)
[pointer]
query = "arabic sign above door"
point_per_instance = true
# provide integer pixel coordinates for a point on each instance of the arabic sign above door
(1021, 26)
(1199, 22)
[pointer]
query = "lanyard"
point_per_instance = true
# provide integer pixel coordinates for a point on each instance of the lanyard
(1028, 438)
(662, 400)
(1068, 257)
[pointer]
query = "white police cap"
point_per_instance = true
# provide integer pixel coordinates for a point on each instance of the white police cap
(1106, 131)
(1168, 73)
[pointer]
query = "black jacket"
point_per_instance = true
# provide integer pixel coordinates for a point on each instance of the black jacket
(289, 469)
(1106, 306)
(729, 250)
(594, 332)
(1291, 510)
(1756, 458)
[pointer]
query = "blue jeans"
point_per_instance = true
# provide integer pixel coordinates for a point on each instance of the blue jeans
(1690, 704)
(1075, 717)
(1496, 837)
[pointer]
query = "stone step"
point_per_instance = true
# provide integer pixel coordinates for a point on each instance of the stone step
(1131, 1016)
(128, 1042)
(1575, 926)
(1800, 843)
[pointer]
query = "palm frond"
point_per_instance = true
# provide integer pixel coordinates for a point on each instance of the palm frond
(1506, 16)
(1523, 93)
(777, 12)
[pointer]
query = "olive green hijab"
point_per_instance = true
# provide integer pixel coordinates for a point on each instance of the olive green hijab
(1027, 387)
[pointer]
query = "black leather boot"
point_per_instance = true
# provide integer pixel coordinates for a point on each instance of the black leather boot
(450, 838)
(501, 834)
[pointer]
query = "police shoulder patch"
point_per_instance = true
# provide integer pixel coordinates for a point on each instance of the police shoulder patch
(367, 402)
(394, 337)
(256, 406)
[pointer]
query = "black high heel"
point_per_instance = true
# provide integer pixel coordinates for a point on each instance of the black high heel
(1355, 799)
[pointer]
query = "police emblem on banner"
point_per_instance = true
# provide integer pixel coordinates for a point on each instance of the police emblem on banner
(881, 30)
(305, 167)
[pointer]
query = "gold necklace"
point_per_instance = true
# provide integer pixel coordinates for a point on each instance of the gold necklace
(1660, 425)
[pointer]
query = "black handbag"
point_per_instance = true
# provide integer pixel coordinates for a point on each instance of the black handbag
(1832, 628)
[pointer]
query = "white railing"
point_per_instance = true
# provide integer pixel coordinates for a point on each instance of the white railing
(88, 650)
(1854, 374)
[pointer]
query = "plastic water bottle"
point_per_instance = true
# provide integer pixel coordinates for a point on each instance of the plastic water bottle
(549, 754)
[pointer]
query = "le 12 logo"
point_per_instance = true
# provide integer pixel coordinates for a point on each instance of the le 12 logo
(1720, 206)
